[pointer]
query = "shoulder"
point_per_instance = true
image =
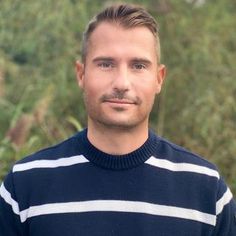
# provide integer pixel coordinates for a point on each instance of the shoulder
(66, 148)
(177, 154)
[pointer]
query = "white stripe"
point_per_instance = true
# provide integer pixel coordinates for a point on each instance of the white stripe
(118, 206)
(67, 161)
(225, 199)
(186, 167)
(8, 199)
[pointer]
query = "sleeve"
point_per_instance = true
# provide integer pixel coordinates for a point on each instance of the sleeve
(225, 212)
(10, 223)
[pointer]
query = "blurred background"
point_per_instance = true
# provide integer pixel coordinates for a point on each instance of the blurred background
(40, 103)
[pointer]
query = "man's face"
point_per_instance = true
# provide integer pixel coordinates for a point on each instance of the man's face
(121, 76)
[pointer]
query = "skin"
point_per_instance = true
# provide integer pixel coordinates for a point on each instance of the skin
(120, 79)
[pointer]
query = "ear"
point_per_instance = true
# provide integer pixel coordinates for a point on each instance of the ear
(161, 74)
(80, 74)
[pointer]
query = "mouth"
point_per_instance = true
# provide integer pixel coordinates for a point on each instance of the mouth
(120, 101)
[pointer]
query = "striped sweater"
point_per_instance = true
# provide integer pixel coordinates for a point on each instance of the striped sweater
(74, 189)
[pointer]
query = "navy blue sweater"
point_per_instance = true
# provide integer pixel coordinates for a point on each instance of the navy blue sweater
(74, 189)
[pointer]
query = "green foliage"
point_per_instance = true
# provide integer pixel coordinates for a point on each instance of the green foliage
(197, 109)
(40, 103)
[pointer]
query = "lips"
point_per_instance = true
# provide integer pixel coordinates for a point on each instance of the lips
(120, 101)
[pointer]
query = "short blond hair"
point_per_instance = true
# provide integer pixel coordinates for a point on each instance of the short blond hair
(127, 16)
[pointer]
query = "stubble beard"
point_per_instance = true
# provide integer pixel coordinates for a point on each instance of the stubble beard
(100, 119)
(122, 125)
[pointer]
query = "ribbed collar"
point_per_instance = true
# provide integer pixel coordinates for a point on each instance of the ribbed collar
(118, 162)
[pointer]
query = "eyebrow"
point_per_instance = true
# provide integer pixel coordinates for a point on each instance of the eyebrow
(141, 60)
(133, 60)
(97, 59)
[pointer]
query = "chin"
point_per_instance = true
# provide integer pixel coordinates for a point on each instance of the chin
(123, 124)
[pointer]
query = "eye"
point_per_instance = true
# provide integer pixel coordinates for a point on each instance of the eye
(139, 66)
(105, 64)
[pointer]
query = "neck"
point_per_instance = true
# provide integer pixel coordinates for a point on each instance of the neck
(116, 140)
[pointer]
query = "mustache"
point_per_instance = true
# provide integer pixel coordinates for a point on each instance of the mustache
(121, 96)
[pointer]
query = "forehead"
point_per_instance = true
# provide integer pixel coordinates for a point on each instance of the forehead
(115, 38)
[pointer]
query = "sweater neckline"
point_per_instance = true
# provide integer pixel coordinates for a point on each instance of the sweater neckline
(118, 162)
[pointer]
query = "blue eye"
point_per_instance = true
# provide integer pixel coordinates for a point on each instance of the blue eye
(139, 66)
(105, 64)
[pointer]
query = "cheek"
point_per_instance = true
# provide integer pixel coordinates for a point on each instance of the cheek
(147, 91)
(92, 93)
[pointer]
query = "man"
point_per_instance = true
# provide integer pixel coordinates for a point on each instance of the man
(117, 177)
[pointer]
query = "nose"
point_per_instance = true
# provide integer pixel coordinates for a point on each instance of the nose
(121, 80)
